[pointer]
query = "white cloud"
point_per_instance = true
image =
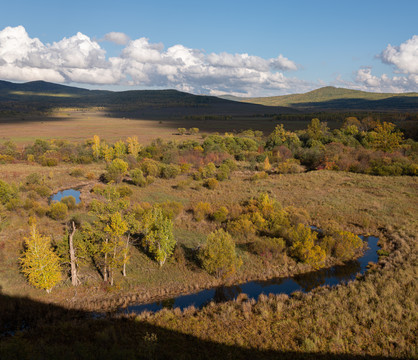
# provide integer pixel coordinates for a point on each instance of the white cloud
(82, 60)
(404, 57)
(118, 38)
(405, 60)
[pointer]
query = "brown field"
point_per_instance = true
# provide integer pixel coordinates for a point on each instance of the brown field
(80, 124)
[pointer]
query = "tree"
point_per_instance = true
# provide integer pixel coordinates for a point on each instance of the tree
(106, 233)
(96, 147)
(316, 129)
(39, 262)
(218, 256)
(120, 149)
(116, 170)
(304, 248)
(134, 147)
(158, 238)
(73, 259)
(114, 246)
(385, 137)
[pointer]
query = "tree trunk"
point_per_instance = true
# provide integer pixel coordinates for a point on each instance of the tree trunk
(105, 264)
(74, 278)
(125, 256)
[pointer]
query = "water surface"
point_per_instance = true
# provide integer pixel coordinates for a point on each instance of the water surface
(69, 192)
(304, 282)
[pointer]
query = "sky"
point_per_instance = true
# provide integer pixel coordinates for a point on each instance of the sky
(243, 48)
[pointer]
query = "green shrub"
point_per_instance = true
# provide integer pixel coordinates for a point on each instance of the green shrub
(169, 171)
(150, 168)
(116, 170)
(259, 176)
(43, 190)
(138, 178)
(223, 172)
(230, 163)
(58, 211)
(124, 191)
(7, 192)
(220, 215)
(218, 256)
(34, 179)
(171, 209)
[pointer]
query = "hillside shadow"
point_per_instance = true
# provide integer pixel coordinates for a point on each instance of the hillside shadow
(34, 330)
(394, 103)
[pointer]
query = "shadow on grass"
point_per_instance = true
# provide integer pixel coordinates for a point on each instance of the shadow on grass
(34, 330)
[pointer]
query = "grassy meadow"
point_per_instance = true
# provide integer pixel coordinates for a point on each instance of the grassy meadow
(341, 179)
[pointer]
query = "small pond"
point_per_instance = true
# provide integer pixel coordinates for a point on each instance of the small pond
(304, 282)
(69, 192)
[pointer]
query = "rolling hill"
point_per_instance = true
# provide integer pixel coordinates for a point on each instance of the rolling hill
(42, 96)
(332, 98)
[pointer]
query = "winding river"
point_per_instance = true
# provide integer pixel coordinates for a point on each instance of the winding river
(304, 282)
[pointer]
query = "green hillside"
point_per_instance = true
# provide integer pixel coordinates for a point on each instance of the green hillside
(330, 97)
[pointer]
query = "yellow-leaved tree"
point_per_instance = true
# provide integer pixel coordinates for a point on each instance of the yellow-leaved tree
(39, 262)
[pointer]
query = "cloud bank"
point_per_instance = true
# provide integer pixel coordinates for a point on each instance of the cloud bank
(79, 59)
(82, 60)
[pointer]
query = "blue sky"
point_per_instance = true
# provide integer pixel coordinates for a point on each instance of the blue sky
(239, 47)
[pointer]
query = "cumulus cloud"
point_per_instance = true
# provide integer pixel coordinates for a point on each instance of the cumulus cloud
(82, 60)
(118, 38)
(404, 57)
(365, 80)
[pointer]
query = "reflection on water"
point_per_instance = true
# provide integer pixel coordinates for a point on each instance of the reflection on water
(69, 192)
(304, 282)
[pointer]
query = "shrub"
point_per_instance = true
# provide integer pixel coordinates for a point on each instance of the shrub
(242, 227)
(69, 201)
(223, 172)
(150, 168)
(34, 179)
(90, 176)
(202, 210)
(169, 171)
(7, 192)
(211, 183)
(77, 172)
(346, 244)
(138, 178)
(290, 166)
(231, 164)
(116, 170)
(303, 246)
(259, 176)
(268, 248)
(42, 190)
(220, 215)
(58, 211)
(171, 209)
(124, 191)
(218, 256)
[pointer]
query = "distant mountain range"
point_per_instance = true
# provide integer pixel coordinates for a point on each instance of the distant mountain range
(41, 96)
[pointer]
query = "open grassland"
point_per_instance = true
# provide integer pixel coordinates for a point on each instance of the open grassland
(191, 179)
(76, 124)
(373, 316)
